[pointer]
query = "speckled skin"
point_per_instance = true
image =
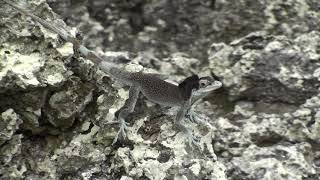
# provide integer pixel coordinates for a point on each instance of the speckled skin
(152, 87)
(158, 90)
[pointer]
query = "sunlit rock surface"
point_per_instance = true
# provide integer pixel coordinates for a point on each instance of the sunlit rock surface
(269, 68)
(57, 111)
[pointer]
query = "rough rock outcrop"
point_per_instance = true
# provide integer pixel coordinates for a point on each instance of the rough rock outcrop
(56, 109)
(165, 26)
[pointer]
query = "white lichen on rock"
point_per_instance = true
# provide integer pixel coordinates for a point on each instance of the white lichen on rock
(258, 62)
(59, 115)
(21, 66)
(9, 124)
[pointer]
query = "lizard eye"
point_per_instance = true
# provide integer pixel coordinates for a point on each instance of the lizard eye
(202, 84)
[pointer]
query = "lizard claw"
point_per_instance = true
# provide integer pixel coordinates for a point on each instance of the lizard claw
(193, 141)
(193, 117)
(190, 118)
(198, 119)
(122, 131)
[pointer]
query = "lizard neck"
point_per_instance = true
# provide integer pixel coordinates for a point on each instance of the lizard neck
(114, 71)
(186, 86)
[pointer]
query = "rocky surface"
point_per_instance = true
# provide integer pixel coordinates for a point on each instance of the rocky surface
(269, 68)
(165, 26)
(56, 109)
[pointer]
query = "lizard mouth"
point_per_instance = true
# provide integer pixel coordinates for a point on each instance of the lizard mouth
(215, 85)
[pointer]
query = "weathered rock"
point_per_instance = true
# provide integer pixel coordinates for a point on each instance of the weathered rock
(259, 138)
(259, 67)
(276, 162)
(9, 124)
(10, 156)
(65, 106)
(58, 112)
(10, 145)
(165, 26)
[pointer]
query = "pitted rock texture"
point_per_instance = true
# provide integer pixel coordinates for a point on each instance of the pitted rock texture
(274, 83)
(269, 68)
(259, 145)
(57, 111)
(165, 26)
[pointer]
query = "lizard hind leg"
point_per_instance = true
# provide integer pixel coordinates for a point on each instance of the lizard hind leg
(125, 111)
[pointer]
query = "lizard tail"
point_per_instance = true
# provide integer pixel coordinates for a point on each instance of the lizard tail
(105, 65)
(91, 55)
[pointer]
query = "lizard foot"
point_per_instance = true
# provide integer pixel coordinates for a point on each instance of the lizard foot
(122, 130)
(198, 119)
(193, 140)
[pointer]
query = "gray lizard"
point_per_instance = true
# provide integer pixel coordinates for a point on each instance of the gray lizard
(184, 95)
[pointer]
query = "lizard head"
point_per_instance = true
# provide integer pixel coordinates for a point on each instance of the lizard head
(207, 84)
(199, 86)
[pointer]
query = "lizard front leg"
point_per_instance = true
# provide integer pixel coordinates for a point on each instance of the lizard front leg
(126, 110)
(180, 119)
(194, 117)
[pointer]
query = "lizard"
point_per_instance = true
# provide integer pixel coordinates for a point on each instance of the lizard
(185, 95)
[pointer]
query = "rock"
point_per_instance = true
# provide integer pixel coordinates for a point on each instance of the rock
(267, 68)
(10, 156)
(10, 145)
(9, 124)
(163, 27)
(66, 105)
(58, 112)
(250, 143)
(276, 162)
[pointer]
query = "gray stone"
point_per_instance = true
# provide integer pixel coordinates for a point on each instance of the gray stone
(58, 112)
(261, 67)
